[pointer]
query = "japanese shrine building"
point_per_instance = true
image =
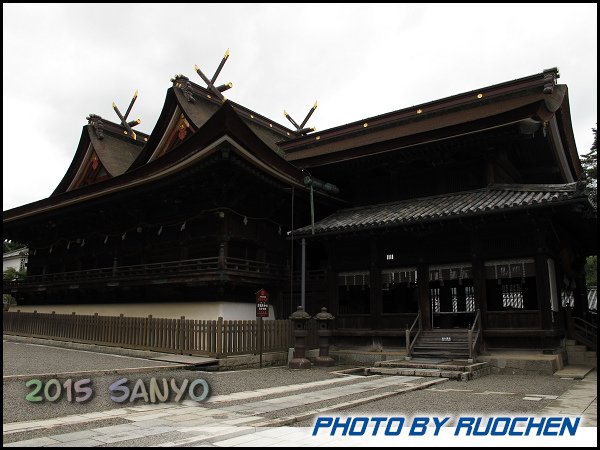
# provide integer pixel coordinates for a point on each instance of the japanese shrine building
(470, 203)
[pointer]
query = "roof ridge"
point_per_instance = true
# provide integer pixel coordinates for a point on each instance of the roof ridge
(491, 187)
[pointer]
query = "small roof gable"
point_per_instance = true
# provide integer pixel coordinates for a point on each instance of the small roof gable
(224, 125)
(103, 139)
(196, 105)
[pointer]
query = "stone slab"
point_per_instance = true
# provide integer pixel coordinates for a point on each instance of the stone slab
(575, 371)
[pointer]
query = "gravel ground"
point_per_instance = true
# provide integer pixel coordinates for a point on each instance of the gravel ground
(22, 359)
(36, 359)
(455, 403)
(17, 409)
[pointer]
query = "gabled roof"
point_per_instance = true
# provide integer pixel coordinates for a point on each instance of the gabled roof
(225, 125)
(23, 251)
(198, 105)
(103, 138)
(535, 97)
(494, 198)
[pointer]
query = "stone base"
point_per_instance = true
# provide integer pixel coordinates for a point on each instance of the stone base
(324, 361)
(299, 363)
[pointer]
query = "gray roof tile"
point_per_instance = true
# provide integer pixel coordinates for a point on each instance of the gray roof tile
(459, 204)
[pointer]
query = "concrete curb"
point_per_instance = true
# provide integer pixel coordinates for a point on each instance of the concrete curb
(147, 369)
(145, 354)
(341, 406)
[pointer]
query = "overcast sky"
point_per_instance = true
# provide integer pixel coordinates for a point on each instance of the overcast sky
(63, 62)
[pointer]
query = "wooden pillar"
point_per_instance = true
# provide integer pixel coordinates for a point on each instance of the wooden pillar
(479, 278)
(223, 250)
(423, 289)
(542, 278)
(332, 279)
(580, 303)
(375, 284)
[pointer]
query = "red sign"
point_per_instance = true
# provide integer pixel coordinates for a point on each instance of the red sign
(262, 303)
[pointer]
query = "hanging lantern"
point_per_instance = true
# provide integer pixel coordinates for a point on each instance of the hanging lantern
(123, 236)
(279, 231)
(159, 231)
(182, 226)
(138, 229)
(245, 220)
(83, 242)
(50, 250)
(106, 239)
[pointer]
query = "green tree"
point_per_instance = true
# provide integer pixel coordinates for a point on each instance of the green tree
(13, 274)
(8, 301)
(589, 161)
(9, 246)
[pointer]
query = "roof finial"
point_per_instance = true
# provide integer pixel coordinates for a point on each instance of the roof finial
(211, 83)
(300, 130)
(128, 125)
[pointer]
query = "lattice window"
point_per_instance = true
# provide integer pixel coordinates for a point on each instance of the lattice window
(512, 296)
(470, 298)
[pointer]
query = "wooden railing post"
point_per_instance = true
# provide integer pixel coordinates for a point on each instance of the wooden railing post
(181, 334)
(219, 339)
(407, 341)
(149, 331)
(470, 344)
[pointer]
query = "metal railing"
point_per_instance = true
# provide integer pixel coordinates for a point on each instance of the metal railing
(409, 331)
(476, 328)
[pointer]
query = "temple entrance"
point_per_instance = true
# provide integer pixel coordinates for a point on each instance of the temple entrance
(452, 296)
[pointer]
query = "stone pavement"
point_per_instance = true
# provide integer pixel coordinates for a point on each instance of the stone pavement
(581, 400)
(260, 417)
(191, 423)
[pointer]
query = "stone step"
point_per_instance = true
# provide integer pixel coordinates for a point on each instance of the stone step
(451, 374)
(571, 342)
(577, 348)
(445, 332)
(439, 339)
(440, 371)
(410, 364)
(440, 353)
(575, 371)
(438, 346)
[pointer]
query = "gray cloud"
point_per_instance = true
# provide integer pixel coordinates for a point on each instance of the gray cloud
(62, 62)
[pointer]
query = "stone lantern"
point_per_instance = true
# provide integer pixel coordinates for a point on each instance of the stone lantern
(299, 323)
(324, 321)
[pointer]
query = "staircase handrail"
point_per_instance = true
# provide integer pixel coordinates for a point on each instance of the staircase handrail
(588, 330)
(409, 344)
(476, 328)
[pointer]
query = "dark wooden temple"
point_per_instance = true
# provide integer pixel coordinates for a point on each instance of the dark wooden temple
(468, 212)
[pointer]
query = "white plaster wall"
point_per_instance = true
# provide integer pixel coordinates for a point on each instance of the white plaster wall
(12, 261)
(174, 310)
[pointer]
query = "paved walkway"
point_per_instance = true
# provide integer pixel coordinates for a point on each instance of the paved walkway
(581, 400)
(247, 419)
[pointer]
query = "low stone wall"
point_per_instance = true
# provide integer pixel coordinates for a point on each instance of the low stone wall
(537, 364)
(253, 361)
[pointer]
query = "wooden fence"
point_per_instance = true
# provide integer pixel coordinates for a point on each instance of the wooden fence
(184, 336)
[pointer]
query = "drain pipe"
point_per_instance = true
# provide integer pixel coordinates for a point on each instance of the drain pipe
(315, 183)
(326, 187)
(303, 279)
